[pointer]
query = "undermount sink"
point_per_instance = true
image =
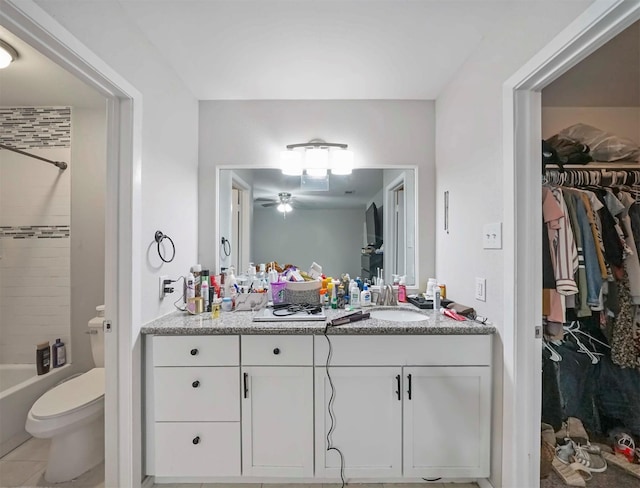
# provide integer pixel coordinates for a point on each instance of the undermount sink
(397, 315)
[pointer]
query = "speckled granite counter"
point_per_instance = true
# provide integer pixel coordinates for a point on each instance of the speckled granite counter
(180, 323)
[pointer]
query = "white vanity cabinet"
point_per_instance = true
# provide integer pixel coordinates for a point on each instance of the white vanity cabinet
(277, 406)
(411, 406)
(193, 403)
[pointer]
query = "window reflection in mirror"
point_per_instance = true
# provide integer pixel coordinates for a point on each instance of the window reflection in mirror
(329, 226)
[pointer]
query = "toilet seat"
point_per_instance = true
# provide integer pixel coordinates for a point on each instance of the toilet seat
(70, 396)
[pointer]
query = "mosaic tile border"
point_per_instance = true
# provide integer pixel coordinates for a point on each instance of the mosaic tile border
(35, 232)
(35, 127)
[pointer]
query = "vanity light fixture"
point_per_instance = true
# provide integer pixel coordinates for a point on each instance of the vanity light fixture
(316, 157)
(7, 54)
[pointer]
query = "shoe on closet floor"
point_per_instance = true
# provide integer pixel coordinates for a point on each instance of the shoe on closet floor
(574, 430)
(548, 434)
(590, 457)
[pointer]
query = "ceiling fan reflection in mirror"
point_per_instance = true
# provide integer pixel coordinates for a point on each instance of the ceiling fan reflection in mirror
(284, 203)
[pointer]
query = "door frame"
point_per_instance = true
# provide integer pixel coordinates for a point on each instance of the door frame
(522, 395)
(123, 443)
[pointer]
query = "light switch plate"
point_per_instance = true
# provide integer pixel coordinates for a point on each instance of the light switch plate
(481, 289)
(492, 236)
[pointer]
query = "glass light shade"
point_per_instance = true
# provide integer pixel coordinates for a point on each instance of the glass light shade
(291, 163)
(317, 172)
(284, 207)
(5, 58)
(316, 158)
(341, 162)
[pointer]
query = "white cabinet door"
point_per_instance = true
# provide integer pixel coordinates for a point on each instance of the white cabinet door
(277, 421)
(368, 421)
(446, 421)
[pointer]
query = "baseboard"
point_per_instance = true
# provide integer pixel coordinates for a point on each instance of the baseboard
(484, 483)
(147, 482)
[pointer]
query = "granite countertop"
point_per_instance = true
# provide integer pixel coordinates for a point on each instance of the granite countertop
(181, 323)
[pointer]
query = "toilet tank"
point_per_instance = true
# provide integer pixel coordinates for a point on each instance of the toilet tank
(96, 332)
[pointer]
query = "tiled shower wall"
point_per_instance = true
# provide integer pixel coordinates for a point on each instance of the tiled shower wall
(35, 216)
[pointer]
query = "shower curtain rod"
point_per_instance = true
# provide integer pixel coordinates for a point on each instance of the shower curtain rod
(60, 164)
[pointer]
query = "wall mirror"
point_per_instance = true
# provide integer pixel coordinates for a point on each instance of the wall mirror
(266, 216)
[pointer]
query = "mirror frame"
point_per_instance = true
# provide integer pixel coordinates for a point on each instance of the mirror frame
(415, 168)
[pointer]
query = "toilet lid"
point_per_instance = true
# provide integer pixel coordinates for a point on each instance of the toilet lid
(70, 395)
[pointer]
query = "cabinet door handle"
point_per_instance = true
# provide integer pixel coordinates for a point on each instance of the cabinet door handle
(246, 387)
(409, 390)
(195, 384)
(196, 440)
(194, 352)
(398, 390)
(276, 351)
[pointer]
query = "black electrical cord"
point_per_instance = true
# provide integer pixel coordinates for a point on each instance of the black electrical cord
(330, 446)
(181, 297)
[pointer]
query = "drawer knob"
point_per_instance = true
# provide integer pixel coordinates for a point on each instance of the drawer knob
(195, 384)
(194, 352)
(196, 440)
(276, 351)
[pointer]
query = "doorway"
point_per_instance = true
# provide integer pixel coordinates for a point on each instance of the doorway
(522, 135)
(122, 227)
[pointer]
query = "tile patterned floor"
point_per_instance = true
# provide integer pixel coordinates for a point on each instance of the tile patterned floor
(25, 465)
(318, 485)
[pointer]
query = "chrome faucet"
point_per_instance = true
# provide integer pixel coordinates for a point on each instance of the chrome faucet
(386, 297)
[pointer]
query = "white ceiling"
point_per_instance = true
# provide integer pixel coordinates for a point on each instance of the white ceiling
(305, 49)
(289, 49)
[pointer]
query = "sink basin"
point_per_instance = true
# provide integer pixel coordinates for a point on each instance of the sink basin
(397, 315)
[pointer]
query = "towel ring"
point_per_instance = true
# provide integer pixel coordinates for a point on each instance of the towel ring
(159, 237)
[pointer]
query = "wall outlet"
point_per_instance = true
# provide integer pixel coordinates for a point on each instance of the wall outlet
(481, 289)
(492, 236)
(162, 286)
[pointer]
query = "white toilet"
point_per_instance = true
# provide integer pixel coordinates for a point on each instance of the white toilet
(72, 416)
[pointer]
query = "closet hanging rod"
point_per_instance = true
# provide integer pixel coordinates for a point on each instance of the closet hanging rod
(60, 164)
(597, 165)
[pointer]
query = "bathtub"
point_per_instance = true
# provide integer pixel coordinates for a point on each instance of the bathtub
(20, 387)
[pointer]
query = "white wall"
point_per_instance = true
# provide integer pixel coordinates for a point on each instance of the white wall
(337, 253)
(469, 165)
(621, 121)
(380, 132)
(88, 191)
(169, 137)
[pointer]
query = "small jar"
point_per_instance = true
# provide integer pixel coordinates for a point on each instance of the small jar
(227, 305)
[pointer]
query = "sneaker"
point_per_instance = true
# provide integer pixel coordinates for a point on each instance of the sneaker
(590, 457)
(565, 453)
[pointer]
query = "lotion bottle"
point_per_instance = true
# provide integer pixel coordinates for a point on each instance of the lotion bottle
(402, 290)
(365, 296)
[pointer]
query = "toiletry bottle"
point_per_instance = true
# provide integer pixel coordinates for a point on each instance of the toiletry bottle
(58, 354)
(196, 269)
(436, 299)
(334, 296)
(323, 297)
(354, 295)
(402, 291)
(340, 297)
(191, 287)
(365, 296)
(204, 289)
(43, 358)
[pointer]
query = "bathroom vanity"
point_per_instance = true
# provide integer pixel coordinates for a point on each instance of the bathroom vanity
(231, 399)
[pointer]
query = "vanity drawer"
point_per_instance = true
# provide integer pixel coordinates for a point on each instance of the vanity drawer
(197, 449)
(277, 350)
(194, 394)
(195, 350)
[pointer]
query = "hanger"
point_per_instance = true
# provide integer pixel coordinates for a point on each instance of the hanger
(554, 356)
(575, 327)
(581, 347)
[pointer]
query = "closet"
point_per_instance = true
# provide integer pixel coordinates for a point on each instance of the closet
(591, 279)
